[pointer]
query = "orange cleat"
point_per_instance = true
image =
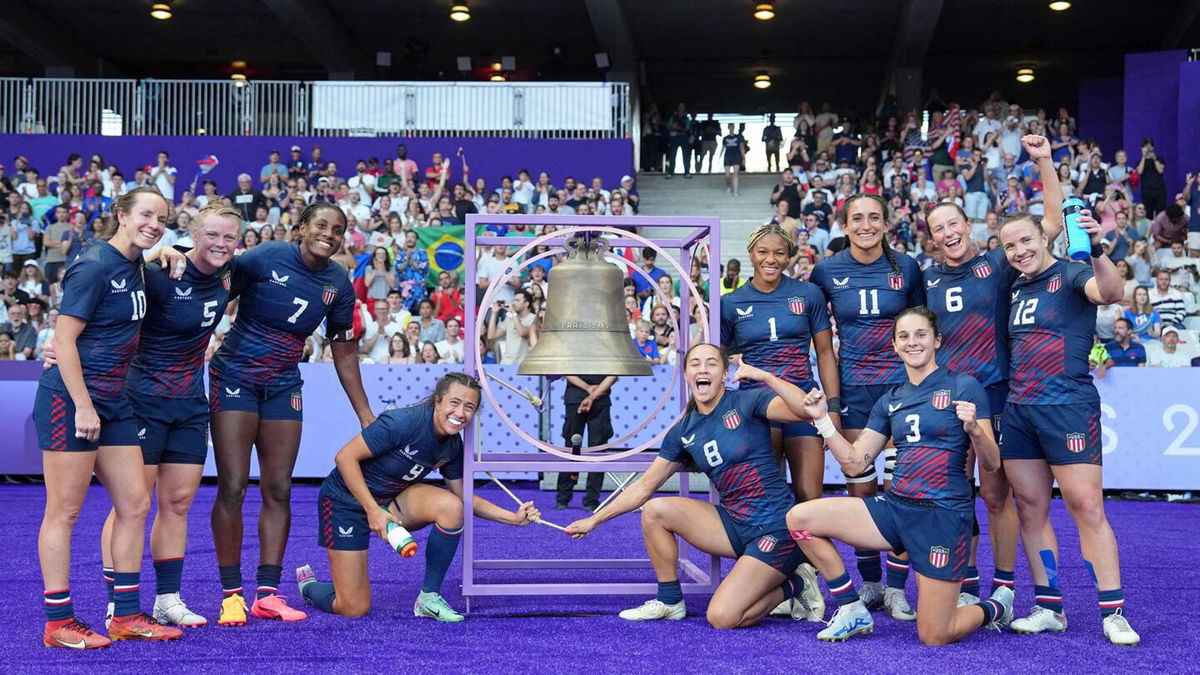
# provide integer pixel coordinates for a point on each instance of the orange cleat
(233, 611)
(141, 626)
(73, 634)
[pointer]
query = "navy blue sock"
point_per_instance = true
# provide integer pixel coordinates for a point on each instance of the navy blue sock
(126, 593)
(168, 575)
(108, 582)
(868, 566)
(897, 572)
(792, 587)
(439, 551)
(991, 610)
(1111, 601)
(268, 580)
(843, 590)
(231, 579)
(670, 592)
(320, 594)
(970, 582)
(58, 605)
(1049, 597)
(1002, 578)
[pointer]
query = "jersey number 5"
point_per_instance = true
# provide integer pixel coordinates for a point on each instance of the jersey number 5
(1024, 314)
(209, 315)
(712, 454)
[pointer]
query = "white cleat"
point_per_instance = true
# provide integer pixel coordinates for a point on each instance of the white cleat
(169, 610)
(1118, 631)
(784, 608)
(1040, 620)
(809, 605)
(848, 621)
(108, 615)
(966, 600)
(897, 605)
(1004, 596)
(870, 594)
(653, 610)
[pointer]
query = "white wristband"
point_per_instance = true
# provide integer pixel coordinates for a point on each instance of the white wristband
(824, 426)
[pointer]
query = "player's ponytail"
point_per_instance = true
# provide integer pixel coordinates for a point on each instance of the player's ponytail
(722, 355)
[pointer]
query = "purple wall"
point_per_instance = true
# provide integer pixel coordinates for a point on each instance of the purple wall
(1152, 109)
(1189, 118)
(1101, 102)
(489, 158)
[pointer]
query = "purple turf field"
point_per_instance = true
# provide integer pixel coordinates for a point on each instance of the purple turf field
(1158, 546)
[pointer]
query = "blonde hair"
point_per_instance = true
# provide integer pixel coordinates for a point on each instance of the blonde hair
(214, 210)
(643, 324)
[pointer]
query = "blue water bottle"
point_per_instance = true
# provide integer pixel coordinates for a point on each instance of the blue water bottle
(1079, 244)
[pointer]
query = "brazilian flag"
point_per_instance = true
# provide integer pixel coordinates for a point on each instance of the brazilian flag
(446, 247)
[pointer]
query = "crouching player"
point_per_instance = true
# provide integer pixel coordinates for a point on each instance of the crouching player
(933, 418)
(377, 482)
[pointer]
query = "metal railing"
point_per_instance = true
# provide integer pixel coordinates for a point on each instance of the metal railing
(277, 108)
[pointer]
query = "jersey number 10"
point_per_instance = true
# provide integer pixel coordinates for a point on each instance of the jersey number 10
(139, 305)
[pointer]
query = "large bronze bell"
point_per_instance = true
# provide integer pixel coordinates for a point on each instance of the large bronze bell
(585, 331)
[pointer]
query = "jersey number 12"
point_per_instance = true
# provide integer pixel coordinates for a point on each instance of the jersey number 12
(1024, 314)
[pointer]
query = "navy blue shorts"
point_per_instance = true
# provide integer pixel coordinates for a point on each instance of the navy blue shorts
(269, 403)
(798, 429)
(936, 538)
(341, 525)
(171, 430)
(1059, 434)
(859, 399)
(997, 393)
(769, 543)
(54, 416)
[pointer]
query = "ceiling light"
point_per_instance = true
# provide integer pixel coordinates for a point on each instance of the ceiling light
(497, 66)
(160, 10)
(497, 77)
(238, 64)
(1060, 5)
(238, 76)
(460, 13)
(1024, 75)
(762, 80)
(764, 11)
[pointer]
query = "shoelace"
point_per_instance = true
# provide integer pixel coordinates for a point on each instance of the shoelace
(836, 615)
(77, 626)
(1121, 622)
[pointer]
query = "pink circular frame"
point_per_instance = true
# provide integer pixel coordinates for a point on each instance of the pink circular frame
(594, 452)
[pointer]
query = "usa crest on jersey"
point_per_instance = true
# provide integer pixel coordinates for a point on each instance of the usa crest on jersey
(1054, 284)
(1076, 442)
(939, 556)
(226, 276)
(328, 294)
(766, 543)
(941, 399)
(732, 420)
(297, 401)
(896, 281)
(982, 269)
(796, 305)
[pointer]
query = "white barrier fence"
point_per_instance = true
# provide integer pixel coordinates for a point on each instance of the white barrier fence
(277, 108)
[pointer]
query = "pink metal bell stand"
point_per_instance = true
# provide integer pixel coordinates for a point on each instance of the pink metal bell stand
(695, 579)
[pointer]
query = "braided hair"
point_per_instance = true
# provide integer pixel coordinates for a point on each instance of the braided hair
(883, 207)
(771, 228)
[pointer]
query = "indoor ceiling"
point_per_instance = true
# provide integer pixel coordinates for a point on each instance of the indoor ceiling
(706, 52)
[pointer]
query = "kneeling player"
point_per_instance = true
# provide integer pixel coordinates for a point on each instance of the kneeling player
(933, 419)
(376, 482)
(727, 434)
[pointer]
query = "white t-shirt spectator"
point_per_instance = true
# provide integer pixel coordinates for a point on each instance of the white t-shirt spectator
(985, 126)
(379, 350)
(513, 347)
(1181, 267)
(450, 353)
(1157, 357)
(365, 184)
(490, 268)
(522, 194)
(163, 182)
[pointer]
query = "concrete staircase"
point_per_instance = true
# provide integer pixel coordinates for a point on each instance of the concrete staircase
(705, 195)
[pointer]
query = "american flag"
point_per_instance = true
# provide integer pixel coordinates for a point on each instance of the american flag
(1076, 442)
(982, 269)
(941, 399)
(796, 305)
(939, 556)
(766, 543)
(732, 420)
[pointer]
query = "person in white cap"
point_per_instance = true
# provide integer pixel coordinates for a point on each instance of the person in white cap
(1170, 353)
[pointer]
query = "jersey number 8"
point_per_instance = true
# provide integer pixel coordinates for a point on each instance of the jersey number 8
(712, 453)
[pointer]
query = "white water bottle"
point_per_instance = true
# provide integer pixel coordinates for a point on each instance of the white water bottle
(400, 539)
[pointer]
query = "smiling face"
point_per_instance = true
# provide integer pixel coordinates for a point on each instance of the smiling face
(769, 256)
(1025, 246)
(704, 371)
(865, 224)
(323, 231)
(216, 239)
(916, 340)
(146, 220)
(455, 409)
(951, 233)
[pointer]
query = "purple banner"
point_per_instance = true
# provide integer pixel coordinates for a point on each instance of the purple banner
(1151, 107)
(489, 158)
(1150, 417)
